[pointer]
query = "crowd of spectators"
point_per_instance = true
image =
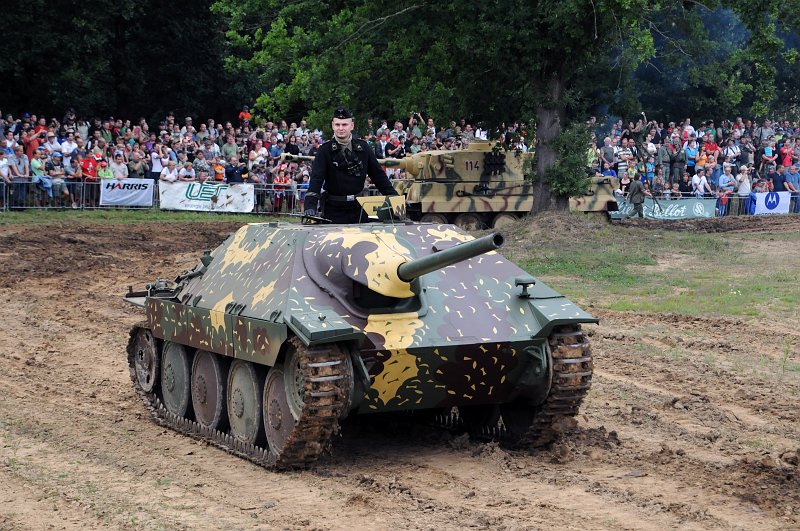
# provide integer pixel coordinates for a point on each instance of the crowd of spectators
(44, 160)
(725, 160)
(48, 161)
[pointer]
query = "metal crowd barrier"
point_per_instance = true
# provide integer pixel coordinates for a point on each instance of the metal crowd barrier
(269, 199)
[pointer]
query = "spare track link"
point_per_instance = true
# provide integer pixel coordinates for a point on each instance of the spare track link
(326, 397)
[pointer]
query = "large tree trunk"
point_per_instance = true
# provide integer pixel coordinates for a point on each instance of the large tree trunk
(549, 118)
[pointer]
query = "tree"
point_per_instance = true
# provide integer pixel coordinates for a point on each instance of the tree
(512, 60)
(128, 58)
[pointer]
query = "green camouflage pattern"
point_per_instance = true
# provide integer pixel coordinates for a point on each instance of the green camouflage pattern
(598, 198)
(461, 334)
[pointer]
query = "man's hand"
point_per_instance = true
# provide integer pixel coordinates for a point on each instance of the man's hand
(311, 204)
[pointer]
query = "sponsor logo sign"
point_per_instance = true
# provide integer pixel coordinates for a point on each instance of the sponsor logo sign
(770, 202)
(127, 192)
(206, 196)
(669, 208)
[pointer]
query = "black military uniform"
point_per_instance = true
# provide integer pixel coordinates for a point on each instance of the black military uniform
(343, 172)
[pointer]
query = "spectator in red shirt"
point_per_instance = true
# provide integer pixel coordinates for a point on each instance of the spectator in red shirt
(244, 116)
(41, 126)
(786, 154)
(710, 146)
(91, 191)
(32, 141)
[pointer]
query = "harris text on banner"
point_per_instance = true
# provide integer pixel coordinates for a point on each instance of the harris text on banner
(126, 192)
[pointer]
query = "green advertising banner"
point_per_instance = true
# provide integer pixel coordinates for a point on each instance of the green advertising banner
(669, 208)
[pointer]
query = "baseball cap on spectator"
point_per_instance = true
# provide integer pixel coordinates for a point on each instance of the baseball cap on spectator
(118, 153)
(103, 163)
(26, 115)
(98, 156)
(50, 133)
(57, 154)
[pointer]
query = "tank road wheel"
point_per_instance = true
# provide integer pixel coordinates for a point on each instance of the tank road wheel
(439, 219)
(278, 418)
(146, 361)
(176, 385)
(304, 398)
(469, 221)
(208, 390)
(571, 360)
(503, 220)
(244, 402)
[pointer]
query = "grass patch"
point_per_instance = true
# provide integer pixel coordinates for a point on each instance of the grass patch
(611, 266)
(647, 270)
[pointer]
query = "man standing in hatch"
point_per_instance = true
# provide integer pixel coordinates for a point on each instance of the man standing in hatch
(341, 167)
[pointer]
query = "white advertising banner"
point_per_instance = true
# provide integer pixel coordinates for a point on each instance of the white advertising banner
(771, 202)
(206, 196)
(127, 192)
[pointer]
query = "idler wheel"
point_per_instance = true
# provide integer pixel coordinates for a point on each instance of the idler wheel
(244, 402)
(146, 362)
(175, 379)
(279, 422)
(208, 390)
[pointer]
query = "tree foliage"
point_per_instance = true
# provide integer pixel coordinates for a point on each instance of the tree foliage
(127, 58)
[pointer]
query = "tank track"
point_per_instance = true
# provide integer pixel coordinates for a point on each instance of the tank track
(325, 401)
(571, 379)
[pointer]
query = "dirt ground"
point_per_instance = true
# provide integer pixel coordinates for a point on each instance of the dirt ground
(702, 439)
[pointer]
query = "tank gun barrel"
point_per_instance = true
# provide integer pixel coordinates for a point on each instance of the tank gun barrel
(463, 251)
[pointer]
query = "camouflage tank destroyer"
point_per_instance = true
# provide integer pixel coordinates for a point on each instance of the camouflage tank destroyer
(285, 329)
(481, 186)
(599, 197)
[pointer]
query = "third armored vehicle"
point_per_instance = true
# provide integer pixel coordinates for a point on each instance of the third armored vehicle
(285, 329)
(481, 186)
(599, 196)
